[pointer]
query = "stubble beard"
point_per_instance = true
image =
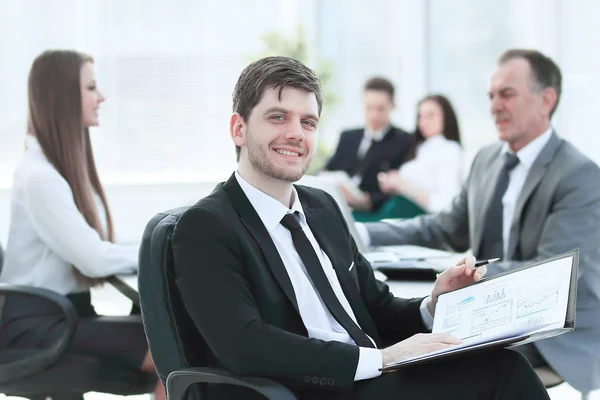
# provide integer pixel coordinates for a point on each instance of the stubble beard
(258, 158)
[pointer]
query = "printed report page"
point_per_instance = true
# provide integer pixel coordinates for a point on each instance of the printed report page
(516, 303)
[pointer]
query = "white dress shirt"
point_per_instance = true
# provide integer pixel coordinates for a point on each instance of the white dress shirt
(527, 156)
(317, 319)
(437, 169)
(48, 235)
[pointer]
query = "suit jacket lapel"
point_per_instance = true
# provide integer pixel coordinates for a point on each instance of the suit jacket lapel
(536, 173)
(321, 227)
(485, 193)
(257, 230)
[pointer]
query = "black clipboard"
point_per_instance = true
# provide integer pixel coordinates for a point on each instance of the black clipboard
(515, 340)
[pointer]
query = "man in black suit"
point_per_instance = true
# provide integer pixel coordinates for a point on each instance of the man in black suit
(273, 281)
(363, 153)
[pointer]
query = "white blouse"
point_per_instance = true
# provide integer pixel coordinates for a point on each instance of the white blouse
(48, 235)
(437, 169)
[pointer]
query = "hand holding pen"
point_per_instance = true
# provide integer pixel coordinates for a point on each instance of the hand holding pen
(466, 272)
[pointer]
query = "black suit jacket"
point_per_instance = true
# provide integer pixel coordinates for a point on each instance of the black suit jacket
(237, 291)
(389, 153)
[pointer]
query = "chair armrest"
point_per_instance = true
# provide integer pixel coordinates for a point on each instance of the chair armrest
(179, 381)
(41, 359)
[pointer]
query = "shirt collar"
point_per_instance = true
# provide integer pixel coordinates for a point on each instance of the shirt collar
(32, 143)
(435, 139)
(528, 154)
(269, 210)
(378, 134)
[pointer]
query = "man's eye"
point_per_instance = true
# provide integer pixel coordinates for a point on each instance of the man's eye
(277, 117)
(310, 123)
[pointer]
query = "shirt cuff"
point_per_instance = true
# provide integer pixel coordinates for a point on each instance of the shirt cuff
(425, 315)
(369, 362)
(363, 232)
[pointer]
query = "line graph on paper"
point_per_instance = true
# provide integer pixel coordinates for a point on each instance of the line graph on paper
(537, 303)
(491, 316)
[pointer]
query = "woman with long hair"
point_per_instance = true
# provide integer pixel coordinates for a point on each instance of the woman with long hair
(431, 175)
(61, 233)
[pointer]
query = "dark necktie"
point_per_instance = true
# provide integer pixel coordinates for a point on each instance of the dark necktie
(357, 166)
(492, 244)
(319, 279)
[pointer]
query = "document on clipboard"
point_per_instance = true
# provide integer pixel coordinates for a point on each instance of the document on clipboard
(520, 306)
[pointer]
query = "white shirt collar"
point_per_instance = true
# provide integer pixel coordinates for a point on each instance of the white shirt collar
(32, 143)
(435, 139)
(528, 154)
(270, 210)
(378, 134)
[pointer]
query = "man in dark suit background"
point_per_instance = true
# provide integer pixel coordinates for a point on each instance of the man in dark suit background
(379, 146)
(273, 281)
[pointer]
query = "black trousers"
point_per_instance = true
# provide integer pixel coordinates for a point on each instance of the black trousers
(533, 355)
(494, 375)
(501, 374)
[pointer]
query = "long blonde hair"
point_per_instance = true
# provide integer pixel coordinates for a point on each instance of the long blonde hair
(55, 119)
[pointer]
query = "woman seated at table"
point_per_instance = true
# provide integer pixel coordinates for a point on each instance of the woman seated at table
(61, 234)
(431, 176)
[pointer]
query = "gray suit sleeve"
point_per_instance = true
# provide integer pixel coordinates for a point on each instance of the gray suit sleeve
(573, 221)
(446, 230)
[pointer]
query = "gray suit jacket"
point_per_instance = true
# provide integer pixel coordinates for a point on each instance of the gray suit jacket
(558, 210)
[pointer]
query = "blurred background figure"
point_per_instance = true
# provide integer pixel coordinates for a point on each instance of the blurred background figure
(61, 233)
(432, 173)
(378, 146)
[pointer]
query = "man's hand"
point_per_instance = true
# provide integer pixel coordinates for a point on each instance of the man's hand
(462, 274)
(416, 345)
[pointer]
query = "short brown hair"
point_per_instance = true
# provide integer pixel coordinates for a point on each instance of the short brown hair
(272, 72)
(544, 71)
(381, 84)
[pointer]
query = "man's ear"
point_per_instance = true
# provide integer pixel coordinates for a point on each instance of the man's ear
(237, 129)
(549, 98)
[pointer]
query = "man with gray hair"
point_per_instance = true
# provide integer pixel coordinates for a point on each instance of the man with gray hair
(531, 196)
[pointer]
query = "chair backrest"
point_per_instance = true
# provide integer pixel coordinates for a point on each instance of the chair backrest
(1, 257)
(174, 341)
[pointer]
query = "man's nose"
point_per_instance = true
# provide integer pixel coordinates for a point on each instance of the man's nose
(495, 106)
(295, 130)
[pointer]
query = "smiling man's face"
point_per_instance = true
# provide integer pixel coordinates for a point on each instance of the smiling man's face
(280, 134)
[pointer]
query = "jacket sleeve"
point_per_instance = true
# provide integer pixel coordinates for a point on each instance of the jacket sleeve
(211, 277)
(448, 230)
(337, 161)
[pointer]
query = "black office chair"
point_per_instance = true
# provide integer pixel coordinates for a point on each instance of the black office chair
(49, 372)
(178, 350)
